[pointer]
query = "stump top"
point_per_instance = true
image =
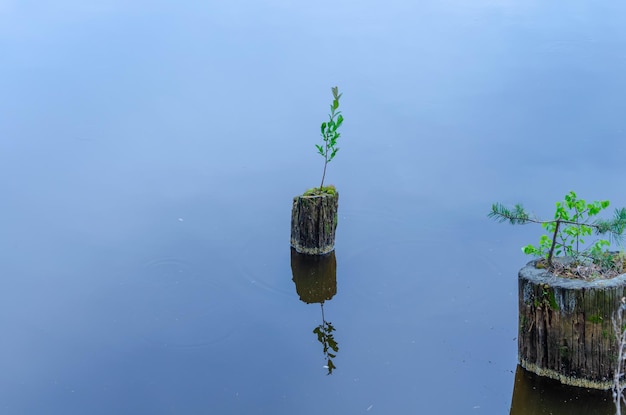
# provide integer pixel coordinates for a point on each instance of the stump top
(543, 276)
(316, 196)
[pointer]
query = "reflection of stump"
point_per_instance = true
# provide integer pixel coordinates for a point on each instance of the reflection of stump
(313, 223)
(315, 276)
(565, 327)
(534, 394)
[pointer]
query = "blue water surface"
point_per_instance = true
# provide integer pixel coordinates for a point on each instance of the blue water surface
(150, 151)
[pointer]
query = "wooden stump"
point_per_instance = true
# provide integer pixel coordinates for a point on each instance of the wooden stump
(315, 276)
(313, 223)
(565, 327)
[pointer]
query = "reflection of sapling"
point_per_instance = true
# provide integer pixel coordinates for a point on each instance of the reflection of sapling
(325, 336)
(330, 134)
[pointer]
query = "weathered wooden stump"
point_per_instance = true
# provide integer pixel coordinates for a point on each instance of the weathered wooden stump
(565, 327)
(313, 223)
(315, 276)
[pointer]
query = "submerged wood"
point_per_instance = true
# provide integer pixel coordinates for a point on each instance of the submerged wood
(565, 327)
(313, 223)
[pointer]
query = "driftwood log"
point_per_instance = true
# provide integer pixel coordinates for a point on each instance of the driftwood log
(565, 327)
(313, 223)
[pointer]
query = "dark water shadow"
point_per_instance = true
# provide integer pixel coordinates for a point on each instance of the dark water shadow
(315, 277)
(534, 395)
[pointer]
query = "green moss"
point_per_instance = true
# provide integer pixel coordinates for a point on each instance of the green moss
(316, 191)
(547, 298)
(553, 304)
(596, 319)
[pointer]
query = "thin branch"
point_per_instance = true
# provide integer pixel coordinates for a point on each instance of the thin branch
(518, 216)
(618, 375)
(556, 231)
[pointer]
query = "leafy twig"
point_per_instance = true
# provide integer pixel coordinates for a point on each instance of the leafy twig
(330, 134)
(567, 230)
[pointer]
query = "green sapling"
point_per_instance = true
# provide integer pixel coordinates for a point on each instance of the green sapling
(567, 232)
(329, 128)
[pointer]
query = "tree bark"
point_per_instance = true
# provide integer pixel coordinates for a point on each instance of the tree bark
(565, 327)
(313, 223)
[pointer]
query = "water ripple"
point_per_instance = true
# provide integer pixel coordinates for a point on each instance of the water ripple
(177, 304)
(266, 268)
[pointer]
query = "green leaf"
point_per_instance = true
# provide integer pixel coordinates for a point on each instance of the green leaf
(339, 121)
(529, 250)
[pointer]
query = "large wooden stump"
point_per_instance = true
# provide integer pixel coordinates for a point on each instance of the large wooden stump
(313, 223)
(565, 327)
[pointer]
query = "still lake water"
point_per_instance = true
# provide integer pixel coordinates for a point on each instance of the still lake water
(150, 152)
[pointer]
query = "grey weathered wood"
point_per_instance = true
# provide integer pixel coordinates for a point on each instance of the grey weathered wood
(565, 327)
(313, 223)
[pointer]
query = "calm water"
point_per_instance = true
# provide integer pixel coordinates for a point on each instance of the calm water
(150, 152)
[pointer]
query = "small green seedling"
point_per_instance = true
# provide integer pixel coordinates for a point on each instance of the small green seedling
(329, 128)
(567, 232)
